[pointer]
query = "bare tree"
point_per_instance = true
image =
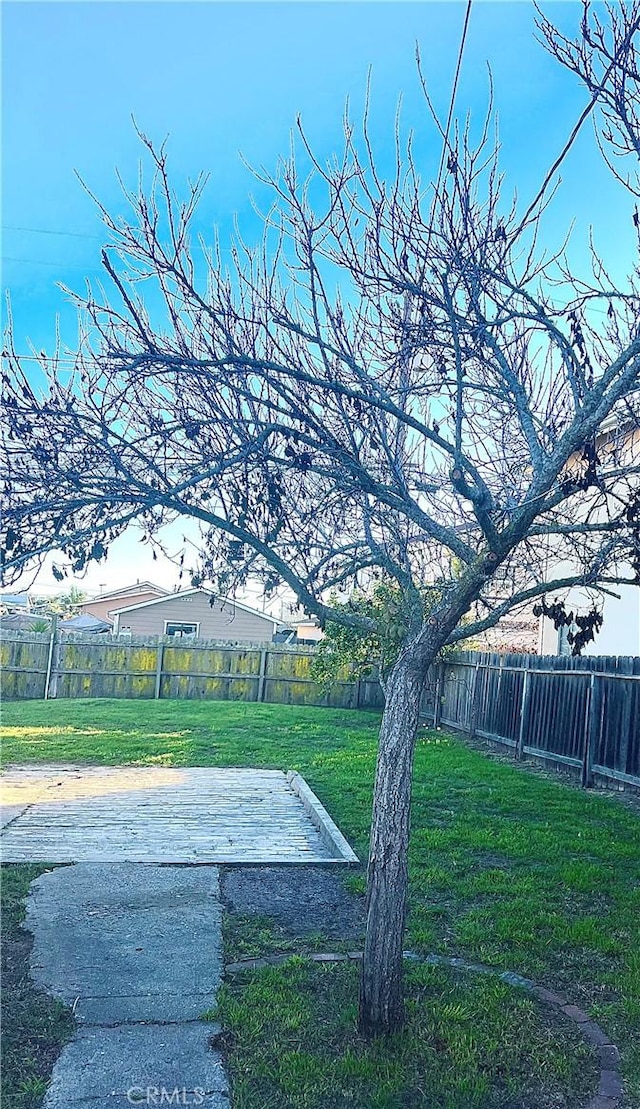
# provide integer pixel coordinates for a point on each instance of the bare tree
(394, 385)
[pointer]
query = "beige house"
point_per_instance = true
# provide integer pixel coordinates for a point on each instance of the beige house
(104, 606)
(195, 613)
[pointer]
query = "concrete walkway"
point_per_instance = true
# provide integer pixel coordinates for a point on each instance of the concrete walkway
(136, 951)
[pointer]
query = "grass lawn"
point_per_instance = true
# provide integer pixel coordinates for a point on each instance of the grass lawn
(507, 867)
(34, 1026)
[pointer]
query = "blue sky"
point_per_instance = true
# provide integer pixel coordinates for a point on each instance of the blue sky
(224, 78)
(220, 78)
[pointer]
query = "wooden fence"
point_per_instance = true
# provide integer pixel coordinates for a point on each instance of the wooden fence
(582, 714)
(38, 665)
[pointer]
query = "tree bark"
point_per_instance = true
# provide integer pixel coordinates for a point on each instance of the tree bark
(381, 1004)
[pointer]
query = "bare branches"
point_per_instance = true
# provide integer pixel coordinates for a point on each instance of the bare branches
(605, 56)
(386, 385)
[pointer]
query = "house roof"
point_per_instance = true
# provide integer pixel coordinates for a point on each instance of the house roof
(15, 600)
(128, 591)
(191, 593)
(20, 621)
(308, 622)
(85, 623)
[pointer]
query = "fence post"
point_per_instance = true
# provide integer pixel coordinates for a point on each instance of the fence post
(437, 708)
(524, 712)
(625, 666)
(51, 679)
(262, 675)
(475, 691)
(358, 692)
(592, 727)
(159, 664)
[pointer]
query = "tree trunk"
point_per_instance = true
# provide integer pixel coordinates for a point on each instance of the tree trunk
(381, 1004)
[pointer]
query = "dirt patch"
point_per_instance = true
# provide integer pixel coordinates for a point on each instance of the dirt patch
(305, 901)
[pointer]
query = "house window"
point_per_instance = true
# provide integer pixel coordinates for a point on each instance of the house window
(180, 631)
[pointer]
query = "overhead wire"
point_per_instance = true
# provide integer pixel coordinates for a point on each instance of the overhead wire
(452, 101)
(584, 115)
(50, 231)
(408, 307)
(44, 262)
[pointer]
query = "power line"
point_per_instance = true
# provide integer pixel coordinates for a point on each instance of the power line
(586, 112)
(74, 361)
(45, 358)
(43, 262)
(50, 231)
(77, 235)
(408, 307)
(452, 101)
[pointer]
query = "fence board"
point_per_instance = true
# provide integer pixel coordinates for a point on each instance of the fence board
(23, 663)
